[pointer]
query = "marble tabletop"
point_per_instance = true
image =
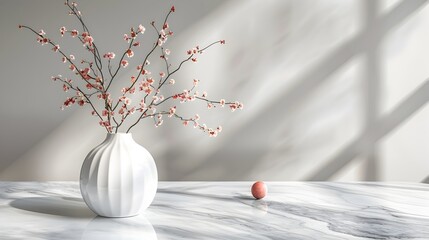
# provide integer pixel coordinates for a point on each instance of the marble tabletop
(223, 210)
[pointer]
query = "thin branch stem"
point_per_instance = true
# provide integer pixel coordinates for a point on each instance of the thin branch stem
(119, 65)
(93, 107)
(64, 55)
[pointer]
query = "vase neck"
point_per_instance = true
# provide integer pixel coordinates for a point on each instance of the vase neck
(119, 136)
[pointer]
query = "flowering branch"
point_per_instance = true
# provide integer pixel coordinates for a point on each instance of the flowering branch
(163, 82)
(93, 78)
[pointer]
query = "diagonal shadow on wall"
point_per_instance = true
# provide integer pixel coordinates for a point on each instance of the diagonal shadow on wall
(371, 135)
(280, 106)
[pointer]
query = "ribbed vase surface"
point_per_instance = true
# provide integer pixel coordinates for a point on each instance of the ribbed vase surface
(118, 177)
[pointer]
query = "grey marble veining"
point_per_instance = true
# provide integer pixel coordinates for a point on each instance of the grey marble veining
(223, 210)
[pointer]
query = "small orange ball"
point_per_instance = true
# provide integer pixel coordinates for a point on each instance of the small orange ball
(259, 190)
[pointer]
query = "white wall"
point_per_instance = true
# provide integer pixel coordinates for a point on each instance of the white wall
(333, 90)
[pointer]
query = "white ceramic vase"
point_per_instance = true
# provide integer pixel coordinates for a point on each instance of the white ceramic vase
(118, 177)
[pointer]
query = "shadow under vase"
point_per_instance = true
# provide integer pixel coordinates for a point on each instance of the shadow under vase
(59, 206)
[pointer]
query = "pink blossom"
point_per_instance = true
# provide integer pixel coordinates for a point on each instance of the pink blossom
(165, 26)
(196, 117)
(136, 44)
(124, 90)
(195, 82)
(219, 128)
(122, 111)
(109, 55)
(209, 106)
(162, 74)
(143, 86)
(194, 59)
(125, 100)
(62, 31)
(74, 33)
(72, 67)
(133, 79)
(43, 41)
(104, 123)
(65, 88)
(127, 38)
(72, 57)
(153, 109)
(132, 110)
(104, 113)
(222, 41)
(69, 101)
(89, 86)
(155, 99)
(130, 53)
(167, 51)
(185, 123)
(147, 62)
(212, 133)
(81, 102)
(56, 48)
(141, 29)
(159, 123)
(233, 107)
(173, 9)
(41, 32)
(85, 73)
(189, 52)
(222, 102)
(150, 80)
(64, 59)
(172, 81)
(172, 111)
(142, 104)
(124, 63)
(204, 95)
(88, 40)
(104, 96)
(240, 106)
